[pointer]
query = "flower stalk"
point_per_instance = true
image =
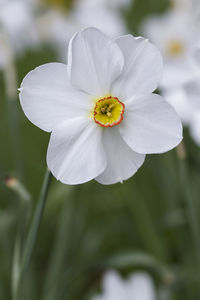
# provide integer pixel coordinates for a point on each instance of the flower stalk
(24, 209)
(189, 201)
(32, 234)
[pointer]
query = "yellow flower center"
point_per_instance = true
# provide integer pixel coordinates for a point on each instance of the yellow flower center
(108, 111)
(175, 48)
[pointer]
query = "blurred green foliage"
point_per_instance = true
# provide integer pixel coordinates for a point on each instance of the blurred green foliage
(145, 223)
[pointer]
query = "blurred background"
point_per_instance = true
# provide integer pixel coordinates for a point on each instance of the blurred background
(149, 223)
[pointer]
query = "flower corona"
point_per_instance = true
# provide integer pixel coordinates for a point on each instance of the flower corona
(109, 111)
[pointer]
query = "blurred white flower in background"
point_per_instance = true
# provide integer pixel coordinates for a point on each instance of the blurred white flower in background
(28, 22)
(138, 286)
(57, 28)
(178, 99)
(17, 22)
(192, 94)
(183, 101)
(108, 20)
(100, 108)
(176, 35)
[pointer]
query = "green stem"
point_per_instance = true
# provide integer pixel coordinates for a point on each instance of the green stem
(192, 214)
(33, 233)
(24, 209)
(191, 210)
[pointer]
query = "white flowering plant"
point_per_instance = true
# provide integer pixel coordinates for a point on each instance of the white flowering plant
(87, 98)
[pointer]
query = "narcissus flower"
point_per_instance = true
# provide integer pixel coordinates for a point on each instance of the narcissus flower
(138, 286)
(100, 108)
(186, 100)
(175, 33)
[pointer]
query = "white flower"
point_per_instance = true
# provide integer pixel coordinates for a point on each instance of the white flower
(57, 28)
(138, 286)
(186, 101)
(17, 21)
(100, 108)
(192, 91)
(175, 33)
(178, 99)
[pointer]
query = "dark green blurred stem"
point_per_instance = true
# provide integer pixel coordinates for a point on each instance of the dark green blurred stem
(189, 202)
(10, 83)
(33, 233)
(23, 214)
(60, 250)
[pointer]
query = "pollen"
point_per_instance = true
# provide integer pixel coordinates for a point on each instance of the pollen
(175, 48)
(108, 111)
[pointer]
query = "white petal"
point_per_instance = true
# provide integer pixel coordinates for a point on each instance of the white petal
(142, 69)
(150, 125)
(75, 154)
(113, 286)
(95, 61)
(111, 280)
(140, 286)
(122, 161)
(47, 98)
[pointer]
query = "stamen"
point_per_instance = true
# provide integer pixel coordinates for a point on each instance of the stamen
(111, 105)
(103, 109)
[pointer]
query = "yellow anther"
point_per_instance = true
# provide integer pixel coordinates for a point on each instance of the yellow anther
(109, 114)
(111, 105)
(103, 109)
